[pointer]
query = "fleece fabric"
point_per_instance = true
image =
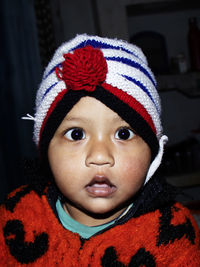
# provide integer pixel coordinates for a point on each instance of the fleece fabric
(74, 226)
(154, 232)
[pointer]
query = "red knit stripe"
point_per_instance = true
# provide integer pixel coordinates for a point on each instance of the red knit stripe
(132, 102)
(129, 100)
(52, 107)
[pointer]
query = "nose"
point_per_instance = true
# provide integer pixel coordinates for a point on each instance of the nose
(100, 153)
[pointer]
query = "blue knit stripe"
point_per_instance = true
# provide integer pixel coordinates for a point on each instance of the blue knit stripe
(139, 84)
(124, 60)
(99, 44)
(132, 64)
(118, 59)
(48, 89)
(52, 70)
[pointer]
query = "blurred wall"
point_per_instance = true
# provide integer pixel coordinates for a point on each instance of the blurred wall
(20, 72)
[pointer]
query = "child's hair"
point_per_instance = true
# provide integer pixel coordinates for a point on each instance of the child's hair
(110, 70)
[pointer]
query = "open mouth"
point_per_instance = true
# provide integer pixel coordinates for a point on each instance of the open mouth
(100, 186)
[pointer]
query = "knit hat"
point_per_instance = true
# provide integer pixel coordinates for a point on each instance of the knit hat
(110, 70)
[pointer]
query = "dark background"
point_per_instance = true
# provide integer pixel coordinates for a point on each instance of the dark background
(31, 30)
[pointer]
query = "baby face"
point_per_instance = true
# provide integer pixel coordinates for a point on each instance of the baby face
(98, 162)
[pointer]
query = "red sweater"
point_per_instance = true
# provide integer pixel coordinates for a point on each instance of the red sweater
(31, 235)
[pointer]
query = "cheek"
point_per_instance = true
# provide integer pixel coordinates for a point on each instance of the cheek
(64, 167)
(61, 157)
(62, 170)
(133, 169)
(60, 163)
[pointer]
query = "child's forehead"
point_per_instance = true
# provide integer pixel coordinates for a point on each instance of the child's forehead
(89, 108)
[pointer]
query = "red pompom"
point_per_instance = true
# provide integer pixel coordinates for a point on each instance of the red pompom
(84, 69)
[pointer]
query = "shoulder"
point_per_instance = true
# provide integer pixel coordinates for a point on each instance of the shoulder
(25, 202)
(30, 232)
(171, 225)
(23, 195)
(176, 222)
(23, 216)
(179, 232)
(177, 235)
(167, 236)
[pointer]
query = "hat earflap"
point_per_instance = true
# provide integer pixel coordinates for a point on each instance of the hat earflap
(157, 161)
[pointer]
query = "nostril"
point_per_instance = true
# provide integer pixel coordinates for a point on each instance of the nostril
(100, 162)
(100, 152)
(99, 159)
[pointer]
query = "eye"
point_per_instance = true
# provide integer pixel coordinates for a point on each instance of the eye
(124, 133)
(75, 134)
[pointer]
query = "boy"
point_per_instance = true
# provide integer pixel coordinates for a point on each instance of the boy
(97, 125)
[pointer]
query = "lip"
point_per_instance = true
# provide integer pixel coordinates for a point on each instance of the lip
(100, 186)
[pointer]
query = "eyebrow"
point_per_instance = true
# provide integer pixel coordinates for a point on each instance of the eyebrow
(116, 119)
(77, 119)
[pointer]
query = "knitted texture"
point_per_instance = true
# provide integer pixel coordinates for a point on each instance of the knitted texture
(87, 63)
(127, 70)
(84, 69)
(30, 233)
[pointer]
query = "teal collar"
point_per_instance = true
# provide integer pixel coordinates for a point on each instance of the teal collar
(70, 224)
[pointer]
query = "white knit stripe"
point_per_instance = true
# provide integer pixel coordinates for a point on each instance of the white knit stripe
(45, 85)
(115, 43)
(51, 85)
(113, 79)
(48, 85)
(71, 45)
(118, 81)
(66, 47)
(121, 54)
(44, 107)
(123, 69)
(128, 70)
(130, 89)
(46, 82)
(112, 65)
(56, 63)
(57, 60)
(144, 89)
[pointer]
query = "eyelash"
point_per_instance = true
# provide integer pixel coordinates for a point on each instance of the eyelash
(130, 135)
(80, 134)
(76, 134)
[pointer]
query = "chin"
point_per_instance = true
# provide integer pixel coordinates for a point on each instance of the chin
(102, 211)
(99, 210)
